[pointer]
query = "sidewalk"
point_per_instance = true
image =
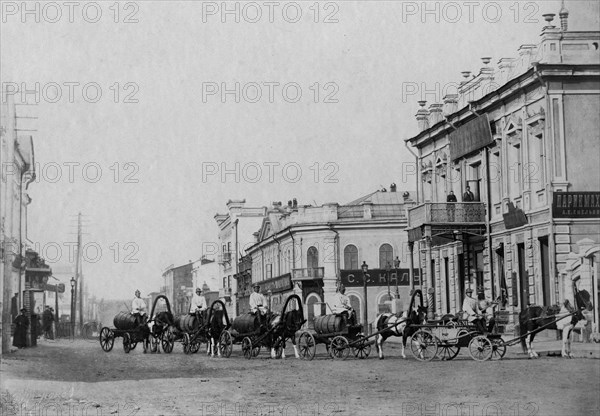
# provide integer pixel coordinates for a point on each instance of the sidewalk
(551, 347)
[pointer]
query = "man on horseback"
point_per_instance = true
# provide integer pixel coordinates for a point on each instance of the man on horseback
(342, 306)
(258, 304)
(473, 311)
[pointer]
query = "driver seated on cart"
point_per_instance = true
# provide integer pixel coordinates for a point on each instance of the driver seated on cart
(342, 306)
(138, 309)
(473, 311)
(198, 306)
(258, 305)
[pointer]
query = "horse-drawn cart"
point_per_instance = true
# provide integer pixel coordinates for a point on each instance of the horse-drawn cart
(192, 330)
(247, 330)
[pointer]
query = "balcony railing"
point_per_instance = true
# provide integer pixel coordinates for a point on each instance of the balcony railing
(447, 213)
(224, 258)
(308, 274)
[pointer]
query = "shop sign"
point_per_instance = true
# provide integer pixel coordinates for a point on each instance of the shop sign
(470, 137)
(576, 205)
(278, 284)
(378, 277)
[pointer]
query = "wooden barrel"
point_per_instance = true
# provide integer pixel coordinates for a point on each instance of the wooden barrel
(124, 321)
(246, 323)
(329, 324)
(186, 323)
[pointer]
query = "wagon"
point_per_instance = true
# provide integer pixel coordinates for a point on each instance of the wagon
(125, 327)
(193, 330)
(247, 331)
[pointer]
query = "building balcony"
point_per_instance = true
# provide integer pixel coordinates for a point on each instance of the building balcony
(447, 213)
(308, 273)
(224, 258)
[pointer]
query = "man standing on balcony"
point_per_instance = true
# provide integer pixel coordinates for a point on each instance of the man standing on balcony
(468, 195)
(452, 199)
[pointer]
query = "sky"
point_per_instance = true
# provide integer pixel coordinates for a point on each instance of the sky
(151, 115)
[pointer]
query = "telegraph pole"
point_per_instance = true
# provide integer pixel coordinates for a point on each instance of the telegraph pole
(78, 274)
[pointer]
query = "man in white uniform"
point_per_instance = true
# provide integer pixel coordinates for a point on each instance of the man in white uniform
(473, 311)
(258, 303)
(138, 308)
(198, 305)
(342, 305)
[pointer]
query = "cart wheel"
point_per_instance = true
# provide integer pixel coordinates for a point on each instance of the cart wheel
(195, 347)
(132, 345)
(339, 348)
(186, 343)
(255, 350)
(225, 344)
(448, 352)
(498, 348)
(126, 342)
(362, 349)
(480, 348)
(247, 348)
(107, 339)
(307, 346)
(423, 345)
(167, 340)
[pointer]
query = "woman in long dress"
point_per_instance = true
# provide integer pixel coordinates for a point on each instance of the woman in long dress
(20, 336)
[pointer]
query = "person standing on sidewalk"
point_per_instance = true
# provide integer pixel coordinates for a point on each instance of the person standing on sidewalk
(21, 324)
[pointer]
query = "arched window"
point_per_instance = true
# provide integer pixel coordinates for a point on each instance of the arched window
(386, 255)
(350, 257)
(355, 303)
(312, 258)
(312, 308)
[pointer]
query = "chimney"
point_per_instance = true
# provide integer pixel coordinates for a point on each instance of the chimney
(564, 17)
(393, 187)
(255, 235)
(435, 113)
(423, 116)
(487, 69)
(290, 203)
(295, 203)
(466, 75)
(450, 104)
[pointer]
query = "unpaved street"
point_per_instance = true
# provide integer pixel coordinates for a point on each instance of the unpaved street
(78, 378)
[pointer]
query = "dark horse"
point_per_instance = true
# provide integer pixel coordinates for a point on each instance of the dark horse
(403, 325)
(285, 326)
(217, 322)
(535, 319)
(159, 322)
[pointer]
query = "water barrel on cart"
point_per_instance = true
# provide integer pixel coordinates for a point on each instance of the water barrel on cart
(186, 323)
(328, 324)
(246, 323)
(124, 321)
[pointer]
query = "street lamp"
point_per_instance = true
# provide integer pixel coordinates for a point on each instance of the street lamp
(73, 283)
(397, 266)
(365, 269)
(388, 268)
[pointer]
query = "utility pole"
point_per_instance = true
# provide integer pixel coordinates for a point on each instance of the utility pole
(78, 274)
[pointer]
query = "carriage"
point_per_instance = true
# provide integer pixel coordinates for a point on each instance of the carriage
(446, 338)
(247, 330)
(194, 329)
(149, 333)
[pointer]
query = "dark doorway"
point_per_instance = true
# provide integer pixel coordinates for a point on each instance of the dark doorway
(460, 261)
(545, 259)
(447, 283)
(523, 277)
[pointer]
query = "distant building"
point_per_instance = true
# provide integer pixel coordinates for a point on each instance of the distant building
(236, 229)
(310, 251)
(179, 286)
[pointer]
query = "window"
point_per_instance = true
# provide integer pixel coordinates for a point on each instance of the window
(351, 257)
(386, 256)
(312, 258)
(269, 271)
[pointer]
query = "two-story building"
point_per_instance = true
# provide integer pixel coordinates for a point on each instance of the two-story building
(310, 251)
(524, 138)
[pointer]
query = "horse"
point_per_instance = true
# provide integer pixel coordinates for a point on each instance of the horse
(284, 328)
(158, 322)
(218, 321)
(535, 319)
(403, 325)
